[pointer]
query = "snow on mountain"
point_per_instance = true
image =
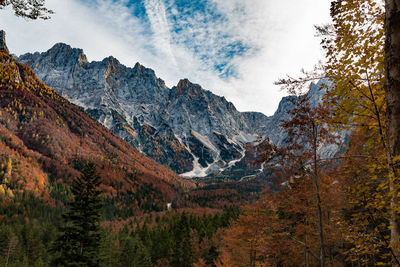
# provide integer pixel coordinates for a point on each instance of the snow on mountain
(187, 128)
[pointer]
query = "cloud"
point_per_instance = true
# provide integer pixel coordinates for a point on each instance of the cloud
(234, 48)
(79, 25)
(156, 13)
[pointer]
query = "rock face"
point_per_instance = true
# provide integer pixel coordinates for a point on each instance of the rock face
(187, 128)
(46, 140)
(3, 45)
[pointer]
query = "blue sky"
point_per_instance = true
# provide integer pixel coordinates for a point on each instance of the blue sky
(198, 26)
(235, 48)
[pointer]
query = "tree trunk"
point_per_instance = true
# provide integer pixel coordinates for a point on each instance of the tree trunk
(11, 247)
(305, 251)
(318, 198)
(392, 88)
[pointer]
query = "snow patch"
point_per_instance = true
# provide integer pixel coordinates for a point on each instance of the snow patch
(198, 170)
(108, 121)
(233, 162)
(262, 167)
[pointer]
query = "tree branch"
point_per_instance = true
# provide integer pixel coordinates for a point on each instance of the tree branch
(305, 245)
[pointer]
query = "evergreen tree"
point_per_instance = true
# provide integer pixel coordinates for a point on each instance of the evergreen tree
(134, 254)
(182, 255)
(79, 243)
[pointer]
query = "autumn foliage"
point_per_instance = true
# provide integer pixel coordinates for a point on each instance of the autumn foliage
(318, 210)
(48, 140)
(358, 187)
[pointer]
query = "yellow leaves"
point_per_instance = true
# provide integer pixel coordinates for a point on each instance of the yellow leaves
(41, 180)
(10, 193)
(355, 62)
(380, 263)
(383, 186)
(396, 159)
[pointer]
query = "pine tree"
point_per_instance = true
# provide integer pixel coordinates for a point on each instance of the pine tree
(79, 243)
(134, 254)
(182, 254)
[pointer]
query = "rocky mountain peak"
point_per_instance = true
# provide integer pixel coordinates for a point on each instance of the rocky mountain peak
(3, 45)
(111, 60)
(147, 74)
(138, 66)
(62, 50)
(112, 65)
(317, 90)
(82, 59)
(142, 70)
(60, 55)
(285, 104)
(186, 127)
(184, 85)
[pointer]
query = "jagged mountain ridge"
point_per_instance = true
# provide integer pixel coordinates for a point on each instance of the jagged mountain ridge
(45, 140)
(187, 128)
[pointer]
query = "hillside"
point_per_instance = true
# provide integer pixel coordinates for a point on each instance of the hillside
(45, 140)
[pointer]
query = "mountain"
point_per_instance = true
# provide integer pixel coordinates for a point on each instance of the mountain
(187, 128)
(45, 140)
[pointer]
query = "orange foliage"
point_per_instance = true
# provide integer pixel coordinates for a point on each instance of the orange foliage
(280, 229)
(50, 136)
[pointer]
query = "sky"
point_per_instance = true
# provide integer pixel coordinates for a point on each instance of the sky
(234, 48)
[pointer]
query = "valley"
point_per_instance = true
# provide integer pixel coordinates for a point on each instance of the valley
(110, 163)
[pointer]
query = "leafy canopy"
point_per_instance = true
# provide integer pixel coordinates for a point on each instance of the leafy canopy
(30, 9)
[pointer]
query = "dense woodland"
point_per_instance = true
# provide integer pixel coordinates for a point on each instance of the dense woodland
(29, 229)
(313, 209)
(341, 210)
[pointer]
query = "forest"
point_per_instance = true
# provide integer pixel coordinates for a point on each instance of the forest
(316, 210)
(340, 210)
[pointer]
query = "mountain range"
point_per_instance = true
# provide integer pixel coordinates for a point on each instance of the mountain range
(191, 130)
(45, 141)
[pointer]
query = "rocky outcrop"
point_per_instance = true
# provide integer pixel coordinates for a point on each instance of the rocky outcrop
(3, 45)
(187, 128)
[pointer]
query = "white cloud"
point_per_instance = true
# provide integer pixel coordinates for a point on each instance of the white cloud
(80, 26)
(159, 24)
(284, 32)
(278, 36)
